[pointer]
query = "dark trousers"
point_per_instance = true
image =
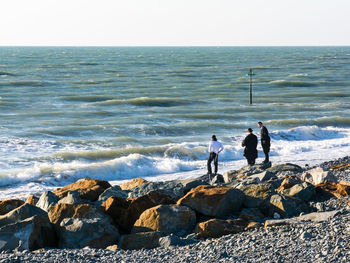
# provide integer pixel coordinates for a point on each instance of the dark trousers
(266, 152)
(213, 157)
(250, 160)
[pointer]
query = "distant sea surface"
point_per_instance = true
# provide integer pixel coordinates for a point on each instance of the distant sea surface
(116, 113)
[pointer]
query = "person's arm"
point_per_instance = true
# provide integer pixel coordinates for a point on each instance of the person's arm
(221, 148)
(244, 142)
(210, 147)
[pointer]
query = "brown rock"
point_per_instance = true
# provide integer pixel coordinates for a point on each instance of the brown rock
(217, 227)
(146, 240)
(253, 225)
(89, 189)
(112, 248)
(133, 183)
(167, 219)
(8, 205)
(333, 189)
(289, 182)
(32, 200)
(213, 200)
(125, 212)
(61, 211)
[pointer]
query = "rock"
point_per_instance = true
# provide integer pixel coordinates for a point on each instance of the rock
(245, 171)
(166, 219)
(289, 181)
(258, 196)
(82, 232)
(46, 200)
(32, 200)
(285, 169)
(173, 240)
(73, 197)
(318, 175)
(21, 213)
(253, 225)
(145, 240)
(287, 206)
(112, 248)
(251, 214)
(264, 176)
(133, 183)
(216, 179)
(217, 227)
(125, 212)
(89, 189)
(172, 188)
(303, 191)
(29, 234)
(61, 211)
(8, 205)
(189, 184)
(330, 189)
(215, 201)
(115, 191)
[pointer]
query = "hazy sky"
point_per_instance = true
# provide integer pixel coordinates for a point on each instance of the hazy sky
(174, 22)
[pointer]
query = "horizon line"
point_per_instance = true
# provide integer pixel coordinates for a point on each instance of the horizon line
(348, 45)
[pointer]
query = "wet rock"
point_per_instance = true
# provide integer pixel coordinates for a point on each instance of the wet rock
(46, 200)
(133, 183)
(89, 189)
(217, 227)
(8, 205)
(144, 240)
(29, 234)
(125, 212)
(318, 175)
(82, 232)
(213, 200)
(167, 219)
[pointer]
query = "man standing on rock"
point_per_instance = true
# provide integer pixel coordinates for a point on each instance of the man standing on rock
(250, 143)
(265, 141)
(215, 148)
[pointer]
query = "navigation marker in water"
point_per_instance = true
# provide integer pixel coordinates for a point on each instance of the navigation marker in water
(250, 74)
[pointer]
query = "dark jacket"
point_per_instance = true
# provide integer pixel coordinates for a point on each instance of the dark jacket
(250, 143)
(265, 138)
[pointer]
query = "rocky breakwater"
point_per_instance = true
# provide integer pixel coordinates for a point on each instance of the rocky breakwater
(141, 214)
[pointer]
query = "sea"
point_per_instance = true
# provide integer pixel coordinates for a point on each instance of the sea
(118, 113)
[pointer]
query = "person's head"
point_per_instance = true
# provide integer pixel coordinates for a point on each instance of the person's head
(213, 138)
(250, 130)
(260, 124)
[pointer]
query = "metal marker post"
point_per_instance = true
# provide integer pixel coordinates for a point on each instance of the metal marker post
(250, 74)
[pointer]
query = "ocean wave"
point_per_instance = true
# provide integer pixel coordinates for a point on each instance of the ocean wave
(287, 83)
(32, 83)
(150, 102)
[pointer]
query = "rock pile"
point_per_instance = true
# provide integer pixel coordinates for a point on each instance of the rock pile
(141, 214)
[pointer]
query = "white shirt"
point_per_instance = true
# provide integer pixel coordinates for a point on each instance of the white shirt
(215, 147)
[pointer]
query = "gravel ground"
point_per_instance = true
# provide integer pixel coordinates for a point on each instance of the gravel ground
(310, 242)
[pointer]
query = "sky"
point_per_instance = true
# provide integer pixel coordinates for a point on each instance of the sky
(174, 22)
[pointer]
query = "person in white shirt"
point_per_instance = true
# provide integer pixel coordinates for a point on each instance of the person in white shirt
(215, 148)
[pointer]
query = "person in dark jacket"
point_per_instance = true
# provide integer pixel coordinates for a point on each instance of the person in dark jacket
(265, 140)
(250, 143)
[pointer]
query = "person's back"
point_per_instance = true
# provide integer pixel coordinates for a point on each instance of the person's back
(250, 143)
(215, 148)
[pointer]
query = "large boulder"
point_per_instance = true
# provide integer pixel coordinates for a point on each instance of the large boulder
(72, 197)
(264, 176)
(143, 240)
(61, 211)
(331, 189)
(8, 205)
(115, 191)
(21, 213)
(318, 175)
(32, 200)
(303, 191)
(46, 200)
(28, 234)
(167, 219)
(215, 201)
(125, 212)
(245, 171)
(287, 206)
(133, 183)
(89, 189)
(217, 227)
(191, 183)
(251, 214)
(174, 189)
(258, 196)
(82, 232)
(285, 169)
